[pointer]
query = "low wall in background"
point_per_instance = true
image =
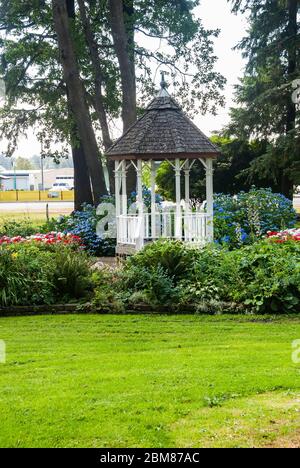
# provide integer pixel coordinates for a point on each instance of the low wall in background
(34, 195)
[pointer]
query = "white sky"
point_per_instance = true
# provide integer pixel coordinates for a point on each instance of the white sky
(215, 14)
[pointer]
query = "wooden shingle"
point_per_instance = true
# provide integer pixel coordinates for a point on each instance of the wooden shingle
(163, 132)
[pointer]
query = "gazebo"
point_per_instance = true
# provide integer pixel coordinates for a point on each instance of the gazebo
(163, 133)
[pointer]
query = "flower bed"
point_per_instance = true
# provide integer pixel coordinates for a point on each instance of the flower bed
(49, 238)
(43, 269)
(284, 236)
(249, 216)
(262, 277)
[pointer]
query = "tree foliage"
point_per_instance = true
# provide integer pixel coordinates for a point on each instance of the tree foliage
(231, 170)
(35, 85)
(265, 108)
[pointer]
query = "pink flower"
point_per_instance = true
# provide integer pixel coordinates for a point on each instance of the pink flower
(49, 238)
(283, 236)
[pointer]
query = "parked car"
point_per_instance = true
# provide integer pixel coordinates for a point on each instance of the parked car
(58, 187)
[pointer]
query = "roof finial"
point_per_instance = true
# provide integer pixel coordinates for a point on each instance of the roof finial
(163, 85)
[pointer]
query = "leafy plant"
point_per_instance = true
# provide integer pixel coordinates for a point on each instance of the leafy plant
(107, 296)
(173, 257)
(23, 228)
(261, 277)
(83, 224)
(24, 275)
(247, 216)
(71, 276)
(34, 273)
(154, 283)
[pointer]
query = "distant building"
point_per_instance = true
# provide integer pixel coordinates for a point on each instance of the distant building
(32, 179)
(2, 179)
(19, 180)
(55, 175)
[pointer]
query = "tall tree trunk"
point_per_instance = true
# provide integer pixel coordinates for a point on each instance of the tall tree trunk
(122, 28)
(292, 30)
(122, 33)
(82, 182)
(97, 69)
(77, 98)
(98, 101)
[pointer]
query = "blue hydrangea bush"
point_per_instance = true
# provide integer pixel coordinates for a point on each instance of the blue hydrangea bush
(146, 198)
(248, 216)
(83, 223)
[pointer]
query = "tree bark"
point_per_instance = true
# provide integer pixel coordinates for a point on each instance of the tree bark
(77, 98)
(98, 101)
(292, 30)
(82, 182)
(122, 28)
(123, 37)
(98, 79)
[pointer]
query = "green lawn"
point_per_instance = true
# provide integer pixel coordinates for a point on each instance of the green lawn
(149, 381)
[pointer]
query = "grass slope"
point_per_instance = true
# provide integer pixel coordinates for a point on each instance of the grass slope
(149, 381)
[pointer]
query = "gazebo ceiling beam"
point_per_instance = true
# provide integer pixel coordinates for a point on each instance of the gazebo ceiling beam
(203, 162)
(174, 165)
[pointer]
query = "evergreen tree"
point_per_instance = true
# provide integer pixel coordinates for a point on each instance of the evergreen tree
(265, 108)
(231, 171)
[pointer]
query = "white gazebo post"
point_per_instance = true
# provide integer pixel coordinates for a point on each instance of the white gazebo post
(117, 188)
(153, 200)
(118, 201)
(209, 198)
(140, 233)
(187, 185)
(147, 141)
(124, 189)
(178, 222)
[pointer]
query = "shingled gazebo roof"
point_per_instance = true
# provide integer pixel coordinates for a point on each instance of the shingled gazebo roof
(163, 132)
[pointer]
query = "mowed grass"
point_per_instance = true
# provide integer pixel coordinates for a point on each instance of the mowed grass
(149, 381)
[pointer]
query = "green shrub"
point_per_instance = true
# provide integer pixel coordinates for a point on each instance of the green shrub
(23, 228)
(262, 277)
(24, 275)
(173, 257)
(268, 277)
(107, 295)
(33, 274)
(247, 216)
(154, 283)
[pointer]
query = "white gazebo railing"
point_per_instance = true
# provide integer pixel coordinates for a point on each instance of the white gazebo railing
(135, 229)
